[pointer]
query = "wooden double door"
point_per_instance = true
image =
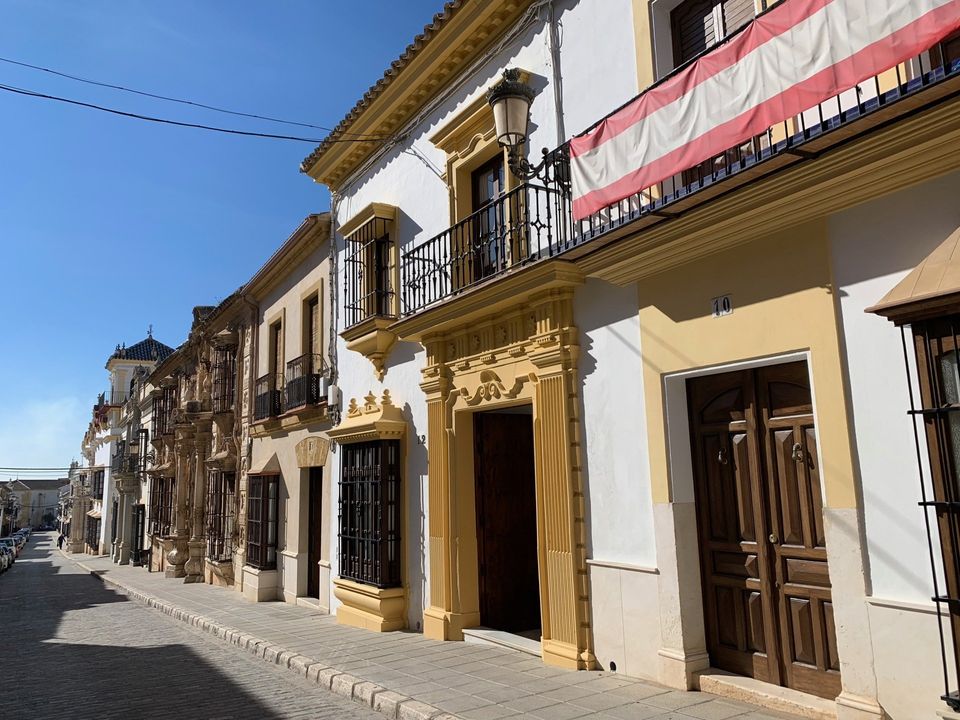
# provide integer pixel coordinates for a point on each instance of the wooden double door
(766, 584)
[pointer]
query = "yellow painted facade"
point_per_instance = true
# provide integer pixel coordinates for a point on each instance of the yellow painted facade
(783, 302)
(525, 356)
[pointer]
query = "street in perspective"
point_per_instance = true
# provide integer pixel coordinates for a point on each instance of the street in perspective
(480, 359)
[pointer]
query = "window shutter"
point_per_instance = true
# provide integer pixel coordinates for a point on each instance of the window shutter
(736, 14)
(316, 343)
(694, 29)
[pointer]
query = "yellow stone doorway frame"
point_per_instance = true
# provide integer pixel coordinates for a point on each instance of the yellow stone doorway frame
(526, 355)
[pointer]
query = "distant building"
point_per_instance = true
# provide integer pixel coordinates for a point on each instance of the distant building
(100, 443)
(34, 502)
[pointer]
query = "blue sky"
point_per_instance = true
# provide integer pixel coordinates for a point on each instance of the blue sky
(107, 224)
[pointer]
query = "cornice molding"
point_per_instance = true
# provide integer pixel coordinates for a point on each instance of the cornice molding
(497, 295)
(447, 47)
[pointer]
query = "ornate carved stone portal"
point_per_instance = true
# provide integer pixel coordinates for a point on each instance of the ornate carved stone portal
(524, 356)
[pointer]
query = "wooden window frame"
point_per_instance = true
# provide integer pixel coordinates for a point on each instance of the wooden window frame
(96, 483)
(934, 340)
(262, 527)
(720, 29)
(370, 513)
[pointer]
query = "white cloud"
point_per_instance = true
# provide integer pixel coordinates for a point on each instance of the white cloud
(42, 433)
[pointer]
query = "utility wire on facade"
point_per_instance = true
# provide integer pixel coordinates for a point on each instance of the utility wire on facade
(181, 101)
(178, 123)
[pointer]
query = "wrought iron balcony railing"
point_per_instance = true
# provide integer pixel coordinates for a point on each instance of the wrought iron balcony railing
(534, 221)
(267, 397)
(527, 224)
(110, 398)
(305, 381)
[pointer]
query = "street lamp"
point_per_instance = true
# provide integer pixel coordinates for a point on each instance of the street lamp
(510, 100)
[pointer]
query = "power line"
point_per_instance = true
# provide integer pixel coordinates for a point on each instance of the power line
(165, 121)
(166, 98)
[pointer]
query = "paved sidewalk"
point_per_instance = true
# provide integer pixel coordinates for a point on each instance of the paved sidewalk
(405, 675)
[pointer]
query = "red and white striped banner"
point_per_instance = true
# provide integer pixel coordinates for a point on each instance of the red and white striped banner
(794, 57)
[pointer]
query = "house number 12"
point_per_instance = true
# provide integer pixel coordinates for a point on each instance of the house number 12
(721, 306)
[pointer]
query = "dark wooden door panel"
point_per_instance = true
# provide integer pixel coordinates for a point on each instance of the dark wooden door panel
(802, 587)
(735, 576)
(315, 530)
(506, 521)
(767, 595)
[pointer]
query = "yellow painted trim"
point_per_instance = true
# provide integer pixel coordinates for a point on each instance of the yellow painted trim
(370, 608)
(373, 339)
(501, 295)
(526, 355)
(783, 302)
(370, 212)
(370, 420)
(643, 43)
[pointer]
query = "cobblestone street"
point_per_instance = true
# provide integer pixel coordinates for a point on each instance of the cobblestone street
(73, 648)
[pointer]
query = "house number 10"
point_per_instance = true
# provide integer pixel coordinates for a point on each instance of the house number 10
(721, 306)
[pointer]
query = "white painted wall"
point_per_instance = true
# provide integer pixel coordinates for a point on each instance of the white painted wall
(874, 246)
(598, 73)
(619, 510)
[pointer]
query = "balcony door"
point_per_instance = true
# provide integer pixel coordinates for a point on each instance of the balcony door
(488, 185)
(767, 596)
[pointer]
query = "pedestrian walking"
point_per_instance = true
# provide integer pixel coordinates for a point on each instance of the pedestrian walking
(60, 540)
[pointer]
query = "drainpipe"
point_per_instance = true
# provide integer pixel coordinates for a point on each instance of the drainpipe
(334, 288)
(555, 42)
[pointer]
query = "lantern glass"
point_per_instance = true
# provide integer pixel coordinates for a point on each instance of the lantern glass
(510, 118)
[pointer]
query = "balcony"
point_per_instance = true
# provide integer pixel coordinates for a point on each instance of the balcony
(111, 398)
(306, 382)
(534, 222)
(267, 397)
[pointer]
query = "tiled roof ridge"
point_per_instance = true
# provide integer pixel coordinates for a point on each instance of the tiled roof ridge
(147, 349)
(449, 10)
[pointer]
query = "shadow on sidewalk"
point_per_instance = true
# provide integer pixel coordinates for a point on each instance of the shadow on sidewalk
(97, 671)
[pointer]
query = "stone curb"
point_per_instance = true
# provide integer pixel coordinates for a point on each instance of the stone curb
(368, 694)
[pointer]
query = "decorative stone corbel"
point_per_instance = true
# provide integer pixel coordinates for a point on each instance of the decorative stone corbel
(373, 340)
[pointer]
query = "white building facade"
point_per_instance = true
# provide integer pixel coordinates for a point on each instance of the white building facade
(664, 441)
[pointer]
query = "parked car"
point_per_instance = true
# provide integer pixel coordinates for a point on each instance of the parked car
(6, 558)
(12, 544)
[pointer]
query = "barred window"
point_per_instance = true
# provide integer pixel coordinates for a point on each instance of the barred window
(224, 371)
(96, 483)
(163, 500)
(92, 537)
(370, 513)
(221, 515)
(262, 521)
(369, 268)
(163, 406)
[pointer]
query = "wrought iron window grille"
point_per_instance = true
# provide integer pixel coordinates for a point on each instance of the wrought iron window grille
(368, 271)
(369, 513)
(261, 550)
